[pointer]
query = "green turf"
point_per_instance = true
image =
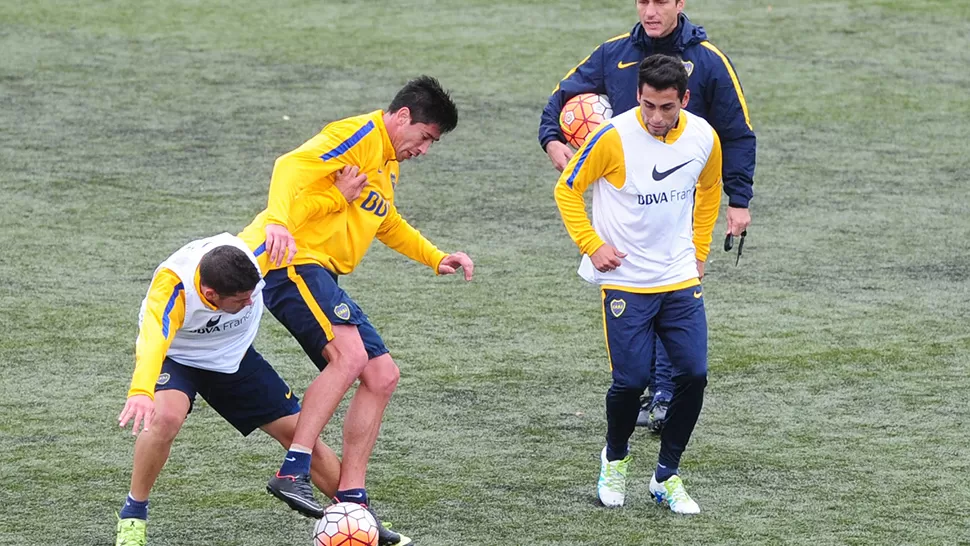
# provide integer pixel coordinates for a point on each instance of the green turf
(837, 409)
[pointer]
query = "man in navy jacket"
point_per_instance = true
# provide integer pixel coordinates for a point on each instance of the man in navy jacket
(715, 95)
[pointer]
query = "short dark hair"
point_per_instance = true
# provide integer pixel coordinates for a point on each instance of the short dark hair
(428, 103)
(228, 270)
(663, 72)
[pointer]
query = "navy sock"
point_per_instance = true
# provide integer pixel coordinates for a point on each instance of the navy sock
(134, 509)
(616, 455)
(295, 463)
(663, 473)
(352, 495)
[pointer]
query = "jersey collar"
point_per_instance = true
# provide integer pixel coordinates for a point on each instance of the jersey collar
(389, 154)
(673, 134)
(198, 290)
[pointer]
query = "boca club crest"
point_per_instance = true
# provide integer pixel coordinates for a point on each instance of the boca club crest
(617, 307)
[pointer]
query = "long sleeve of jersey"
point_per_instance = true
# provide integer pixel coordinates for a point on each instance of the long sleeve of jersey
(707, 201)
(319, 200)
(164, 314)
(586, 77)
(399, 235)
(600, 157)
(301, 168)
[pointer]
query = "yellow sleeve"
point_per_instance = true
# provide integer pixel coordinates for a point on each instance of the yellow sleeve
(340, 144)
(707, 201)
(600, 157)
(316, 201)
(399, 235)
(164, 315)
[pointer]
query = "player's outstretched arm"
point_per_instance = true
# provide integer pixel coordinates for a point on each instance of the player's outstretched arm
(452, 262)
(162, 315)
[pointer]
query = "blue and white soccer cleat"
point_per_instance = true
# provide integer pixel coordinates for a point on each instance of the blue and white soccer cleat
(611, 486)
(672, 493)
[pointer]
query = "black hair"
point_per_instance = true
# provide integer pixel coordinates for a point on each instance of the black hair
(228, 270)
(428, 103)
(663, 72)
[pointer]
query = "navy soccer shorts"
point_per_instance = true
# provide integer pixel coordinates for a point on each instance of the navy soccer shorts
(308, 302)
(634, 322)
(253, 396)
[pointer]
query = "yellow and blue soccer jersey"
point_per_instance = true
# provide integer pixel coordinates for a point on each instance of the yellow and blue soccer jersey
(656, 199)
(177, 322)
(327, 229)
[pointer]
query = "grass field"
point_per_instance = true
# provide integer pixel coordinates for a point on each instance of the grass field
(837, 411)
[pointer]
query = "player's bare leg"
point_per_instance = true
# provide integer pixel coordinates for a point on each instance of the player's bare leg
(151, 453)
(324, 463)
(346, 359)
(153, 445)
(361, 427)
(363, 422)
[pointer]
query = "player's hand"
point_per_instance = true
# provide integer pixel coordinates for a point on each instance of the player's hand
(452, 262)
(280, 244)
(559, 154)
(141, 408)
(738, 220)
(350, 181)
(607, 258)
(700, 269)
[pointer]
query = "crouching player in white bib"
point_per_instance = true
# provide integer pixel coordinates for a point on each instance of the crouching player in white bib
(197, 326)
(655, 173)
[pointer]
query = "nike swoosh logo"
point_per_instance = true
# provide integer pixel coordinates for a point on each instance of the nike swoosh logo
(289, 394)
(357, 496)
(291, 459)
(658, 176)
(697, 295)
(621, 65)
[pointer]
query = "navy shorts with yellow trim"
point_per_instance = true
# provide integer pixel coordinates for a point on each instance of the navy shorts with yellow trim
(633, 323)
(250, 398)
(307, 301)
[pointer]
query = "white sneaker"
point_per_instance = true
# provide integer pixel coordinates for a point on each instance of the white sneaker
(672, 493)
(611, 486)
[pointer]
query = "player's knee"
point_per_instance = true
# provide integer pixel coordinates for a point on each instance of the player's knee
(631, 382)
(166, 424)
(695, 378)
(384, 377)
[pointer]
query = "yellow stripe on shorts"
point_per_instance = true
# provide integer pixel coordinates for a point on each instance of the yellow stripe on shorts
(310, 301)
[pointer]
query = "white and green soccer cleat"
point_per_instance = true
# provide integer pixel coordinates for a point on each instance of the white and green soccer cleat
(131, 532)
(611, 486)
(672, 493)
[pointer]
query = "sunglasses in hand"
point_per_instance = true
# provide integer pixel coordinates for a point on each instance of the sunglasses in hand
(729, 244)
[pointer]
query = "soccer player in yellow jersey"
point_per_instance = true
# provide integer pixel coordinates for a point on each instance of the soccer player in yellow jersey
(655, 174)
(328, 200)
(197, 325)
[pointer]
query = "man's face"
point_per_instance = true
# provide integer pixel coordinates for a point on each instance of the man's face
(659, 17)
(411, 139)
(230, 304)
(660, 109)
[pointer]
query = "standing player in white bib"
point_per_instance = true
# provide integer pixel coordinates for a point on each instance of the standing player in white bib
(197, 326)
(655, 171)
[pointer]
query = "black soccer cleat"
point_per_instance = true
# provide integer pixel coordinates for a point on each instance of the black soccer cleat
(657, 415)
(644, 416)
(297, 493)
(386, 537)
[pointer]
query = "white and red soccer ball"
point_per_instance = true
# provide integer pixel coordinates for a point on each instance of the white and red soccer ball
(345, 524)
(581, 115)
